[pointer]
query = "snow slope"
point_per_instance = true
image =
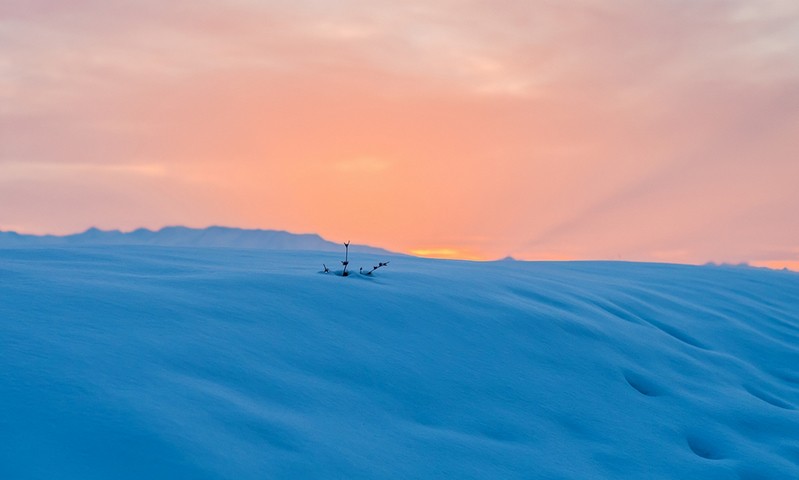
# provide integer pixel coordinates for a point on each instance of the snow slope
(152, 362)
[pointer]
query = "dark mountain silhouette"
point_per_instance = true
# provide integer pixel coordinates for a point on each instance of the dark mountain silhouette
(188, 237)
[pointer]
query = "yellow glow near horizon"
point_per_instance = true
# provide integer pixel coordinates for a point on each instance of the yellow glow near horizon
(446, 253)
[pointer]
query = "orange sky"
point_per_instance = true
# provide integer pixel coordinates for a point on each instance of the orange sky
(658, 130)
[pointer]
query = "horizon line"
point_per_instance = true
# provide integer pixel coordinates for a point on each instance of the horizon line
(430, 253)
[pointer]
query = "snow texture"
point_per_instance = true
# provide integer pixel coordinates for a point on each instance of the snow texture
(156, 362)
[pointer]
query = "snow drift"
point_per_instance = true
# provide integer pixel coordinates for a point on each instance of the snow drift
(152, 362)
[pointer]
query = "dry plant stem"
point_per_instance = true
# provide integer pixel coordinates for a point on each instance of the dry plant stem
(346, 258)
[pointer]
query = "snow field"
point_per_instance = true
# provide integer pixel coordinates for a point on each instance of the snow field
(155, 362)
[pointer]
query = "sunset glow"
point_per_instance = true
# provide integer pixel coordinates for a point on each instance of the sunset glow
(659, 131)
(445, 253)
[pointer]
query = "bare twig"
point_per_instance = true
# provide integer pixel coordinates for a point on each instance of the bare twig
(379, 264)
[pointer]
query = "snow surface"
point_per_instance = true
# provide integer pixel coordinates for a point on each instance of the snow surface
(153, 362)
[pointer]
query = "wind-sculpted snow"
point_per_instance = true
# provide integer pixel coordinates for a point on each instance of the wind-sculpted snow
(150, 362)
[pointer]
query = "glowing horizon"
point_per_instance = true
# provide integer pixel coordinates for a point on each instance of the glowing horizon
(661, 131)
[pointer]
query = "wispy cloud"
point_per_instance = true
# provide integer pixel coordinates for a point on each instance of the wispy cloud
(362, 165)
(10, 171)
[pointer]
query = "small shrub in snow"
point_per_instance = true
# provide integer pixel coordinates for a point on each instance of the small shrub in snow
(346, 263)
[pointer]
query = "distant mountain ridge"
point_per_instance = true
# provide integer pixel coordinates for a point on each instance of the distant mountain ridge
(178, 236)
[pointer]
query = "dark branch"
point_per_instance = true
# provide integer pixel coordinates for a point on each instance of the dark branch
(379, 264)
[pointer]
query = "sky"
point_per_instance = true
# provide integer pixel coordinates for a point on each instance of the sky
(658, 130)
